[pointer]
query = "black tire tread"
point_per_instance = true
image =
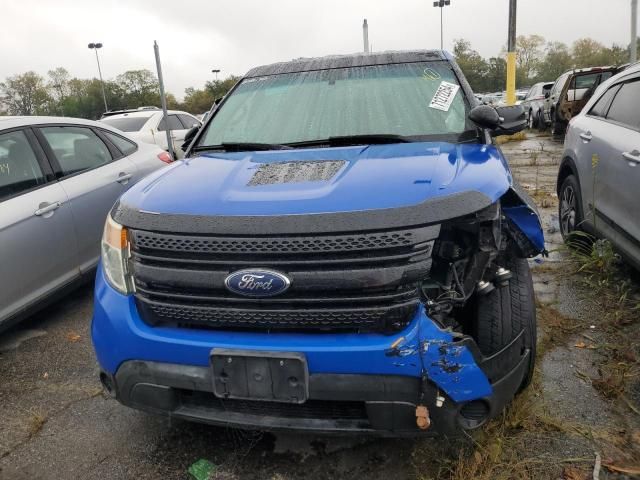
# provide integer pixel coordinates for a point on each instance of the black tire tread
(506, 311)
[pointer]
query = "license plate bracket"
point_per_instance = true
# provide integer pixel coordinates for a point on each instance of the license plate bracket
(259, 375)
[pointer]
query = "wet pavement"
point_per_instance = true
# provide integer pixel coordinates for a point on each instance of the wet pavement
(56, 423)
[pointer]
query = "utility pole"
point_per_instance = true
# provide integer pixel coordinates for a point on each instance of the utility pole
(511, 54)
(634, 31)
(365, 35)
(163, 100)
(441, 4)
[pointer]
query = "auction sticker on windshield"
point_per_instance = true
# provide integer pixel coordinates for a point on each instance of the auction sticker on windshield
(444, 96)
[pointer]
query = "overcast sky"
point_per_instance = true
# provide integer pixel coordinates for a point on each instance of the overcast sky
(198, 35)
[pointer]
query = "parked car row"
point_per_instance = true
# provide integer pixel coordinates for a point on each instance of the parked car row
(58, 179)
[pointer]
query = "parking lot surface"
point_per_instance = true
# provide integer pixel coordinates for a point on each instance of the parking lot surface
(57, 423)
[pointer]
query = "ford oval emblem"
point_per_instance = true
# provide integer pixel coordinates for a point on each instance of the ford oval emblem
(257, 283)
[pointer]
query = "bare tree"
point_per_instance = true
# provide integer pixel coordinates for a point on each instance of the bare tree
(529, 49)
(25, 94)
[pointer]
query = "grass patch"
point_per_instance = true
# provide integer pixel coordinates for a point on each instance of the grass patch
(516, 137)
(617, 298)
(501, 450)
(36, 422)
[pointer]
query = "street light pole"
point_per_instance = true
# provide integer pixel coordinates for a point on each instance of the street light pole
(216, 71)
(96, 46)
(511, 54)
(441, 4)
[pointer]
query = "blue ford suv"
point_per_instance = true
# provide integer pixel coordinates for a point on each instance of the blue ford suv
(343, 249)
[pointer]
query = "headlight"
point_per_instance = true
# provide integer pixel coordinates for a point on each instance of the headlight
(115, 255)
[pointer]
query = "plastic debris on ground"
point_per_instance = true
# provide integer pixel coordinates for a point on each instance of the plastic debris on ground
(202, 469)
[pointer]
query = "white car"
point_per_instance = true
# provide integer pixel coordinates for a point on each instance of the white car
(146, 124)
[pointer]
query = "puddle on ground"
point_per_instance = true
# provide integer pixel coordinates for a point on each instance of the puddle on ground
(12, 340)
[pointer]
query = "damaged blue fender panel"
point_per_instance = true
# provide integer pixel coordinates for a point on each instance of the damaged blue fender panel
(528, 221)
(452, 367)
(447, 363)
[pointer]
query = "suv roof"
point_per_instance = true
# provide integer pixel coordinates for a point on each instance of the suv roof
(594, 69)
(345, 61)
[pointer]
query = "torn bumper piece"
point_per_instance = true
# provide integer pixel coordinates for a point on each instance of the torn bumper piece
(338, 403)
(367, 383)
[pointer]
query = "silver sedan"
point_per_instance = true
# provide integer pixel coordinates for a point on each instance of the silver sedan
(58, 179)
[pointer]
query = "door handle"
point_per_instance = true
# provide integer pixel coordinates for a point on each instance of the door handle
(632, 157)
(45, 208)
(124, 177)
(587, 137)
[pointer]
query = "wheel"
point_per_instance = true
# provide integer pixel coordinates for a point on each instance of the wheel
(570, 213)
(557, 127)
(542, 125)
(505, 312)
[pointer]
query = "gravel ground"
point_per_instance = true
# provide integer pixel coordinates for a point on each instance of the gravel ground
(56, 423)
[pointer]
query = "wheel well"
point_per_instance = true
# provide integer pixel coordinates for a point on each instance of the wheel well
(566, 169)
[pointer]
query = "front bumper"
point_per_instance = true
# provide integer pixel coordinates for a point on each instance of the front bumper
(357, 382)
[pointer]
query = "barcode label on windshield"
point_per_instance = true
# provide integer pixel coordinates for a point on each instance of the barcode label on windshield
(444, 96)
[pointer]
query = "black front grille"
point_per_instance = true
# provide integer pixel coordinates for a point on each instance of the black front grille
(311, 409)
(347, 282)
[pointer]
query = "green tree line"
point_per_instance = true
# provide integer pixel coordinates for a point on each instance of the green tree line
(60, 94)
(537, 61)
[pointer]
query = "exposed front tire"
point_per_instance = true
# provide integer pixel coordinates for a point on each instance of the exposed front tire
(505, 312)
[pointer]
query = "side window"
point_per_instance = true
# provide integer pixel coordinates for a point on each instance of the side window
(19, 167)
(601, 107)
(76, 148)
(127, 147)
(585, 81)
(188, 121)
(625, 108)
(174, 124)
(531, 94)
(558, 85)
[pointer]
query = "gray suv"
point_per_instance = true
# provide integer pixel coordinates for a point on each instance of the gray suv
(570, 93)
(600, 171)
(58, 179)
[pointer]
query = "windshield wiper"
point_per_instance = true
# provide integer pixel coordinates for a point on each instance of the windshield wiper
(365, 139)
(241, 147)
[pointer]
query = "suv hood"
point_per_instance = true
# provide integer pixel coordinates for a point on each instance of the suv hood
(322, 180)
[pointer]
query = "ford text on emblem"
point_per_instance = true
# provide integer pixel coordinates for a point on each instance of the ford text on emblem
(257, 283)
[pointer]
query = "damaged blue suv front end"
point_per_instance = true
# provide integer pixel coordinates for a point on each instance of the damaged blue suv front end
(319, 282)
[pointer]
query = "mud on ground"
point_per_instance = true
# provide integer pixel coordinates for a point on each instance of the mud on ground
(585, 399)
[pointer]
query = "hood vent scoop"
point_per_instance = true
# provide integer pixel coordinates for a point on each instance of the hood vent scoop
(295, 172)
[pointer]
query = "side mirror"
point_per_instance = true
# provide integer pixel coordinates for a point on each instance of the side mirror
(485, 116)
(513, 120)
(500, 120)
(547, 94)
(190, 135)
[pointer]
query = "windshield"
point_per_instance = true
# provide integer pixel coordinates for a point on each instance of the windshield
(127, 124)
(411, 99)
